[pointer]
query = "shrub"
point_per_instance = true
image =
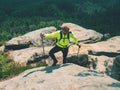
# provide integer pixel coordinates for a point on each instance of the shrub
(10, 68)
(81, 60)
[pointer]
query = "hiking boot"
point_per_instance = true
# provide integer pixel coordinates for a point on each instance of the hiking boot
(54, 63)
(64, 62)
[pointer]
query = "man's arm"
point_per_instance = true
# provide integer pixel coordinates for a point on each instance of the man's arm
(75, 39)
(51, 35)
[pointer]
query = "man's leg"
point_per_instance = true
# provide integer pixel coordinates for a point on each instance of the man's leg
(52, 52)
(65, 52)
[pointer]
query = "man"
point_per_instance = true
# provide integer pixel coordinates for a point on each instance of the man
(62, 43)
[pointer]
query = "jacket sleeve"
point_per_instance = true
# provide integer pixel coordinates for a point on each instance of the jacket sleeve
(52, 35)
(74, 38)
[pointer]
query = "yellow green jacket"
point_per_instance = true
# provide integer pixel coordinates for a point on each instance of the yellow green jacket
(64, 41)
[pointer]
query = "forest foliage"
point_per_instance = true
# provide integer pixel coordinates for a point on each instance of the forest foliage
(18, 17)
(10, 68)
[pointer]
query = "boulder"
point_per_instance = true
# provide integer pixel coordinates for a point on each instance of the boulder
(108, 48)
(115, 73)
(84, 35)
(26, 55)
(61, 77)
(30, 39)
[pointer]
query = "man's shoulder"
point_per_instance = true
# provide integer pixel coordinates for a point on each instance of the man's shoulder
(56, 32)
(60, 31)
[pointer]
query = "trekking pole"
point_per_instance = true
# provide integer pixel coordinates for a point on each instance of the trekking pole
(43, 47)
(78, 50)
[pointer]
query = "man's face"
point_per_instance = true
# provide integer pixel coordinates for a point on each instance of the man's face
(65, 30)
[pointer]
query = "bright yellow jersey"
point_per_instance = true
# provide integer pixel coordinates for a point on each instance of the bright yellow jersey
(64, 41)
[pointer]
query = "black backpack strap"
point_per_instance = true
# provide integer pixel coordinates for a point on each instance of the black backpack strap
(68, 35)
(60, 34)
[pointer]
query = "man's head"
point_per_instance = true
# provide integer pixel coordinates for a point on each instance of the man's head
(65, 29)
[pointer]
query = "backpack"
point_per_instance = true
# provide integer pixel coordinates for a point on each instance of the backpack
(68, 35)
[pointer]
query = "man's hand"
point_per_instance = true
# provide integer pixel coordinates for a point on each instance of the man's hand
(79, 45)
(42, 35)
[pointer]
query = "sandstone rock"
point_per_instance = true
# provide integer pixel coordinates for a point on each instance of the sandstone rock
(115, 73)
(30, 39)
(25, 55)
(60, 77)
(84, 35)
(108, 48)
